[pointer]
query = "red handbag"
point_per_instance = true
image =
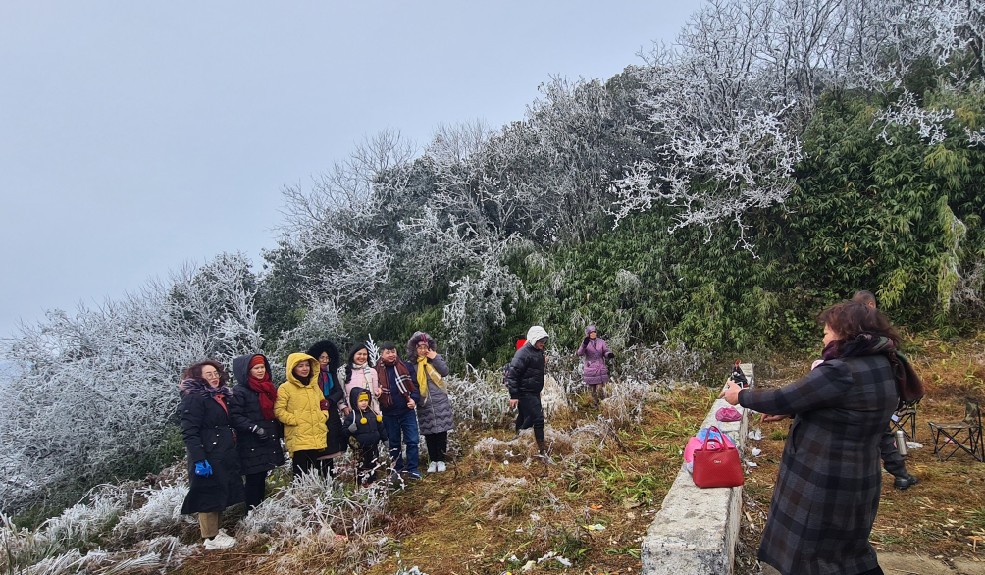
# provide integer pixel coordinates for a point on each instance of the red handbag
(717, 465)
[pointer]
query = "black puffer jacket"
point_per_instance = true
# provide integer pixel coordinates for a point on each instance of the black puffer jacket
(255, 454)
(208, 435)
(366, 434)
(525, 375)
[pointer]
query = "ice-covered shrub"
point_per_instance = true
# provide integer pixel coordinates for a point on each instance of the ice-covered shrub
(312, 507)
(81, 525)
(159, 514)
(21, 547)
(479, 395)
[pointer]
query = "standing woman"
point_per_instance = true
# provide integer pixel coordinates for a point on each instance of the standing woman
(434, 415)
(327, 355)
(827, 490)
(213, 464)
(595, 351)
(259, 432)
(298, 407)
(358, 373)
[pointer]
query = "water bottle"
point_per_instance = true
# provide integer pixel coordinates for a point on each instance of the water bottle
(901, 442)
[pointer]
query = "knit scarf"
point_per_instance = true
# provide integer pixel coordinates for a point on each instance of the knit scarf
(908, 383)
(267, 394)
(201, 388)
(326, 382)
(404, 382)
(424, 371)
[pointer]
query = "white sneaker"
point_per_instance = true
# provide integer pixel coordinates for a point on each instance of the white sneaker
(433, 467)
(441, 467)
(220, 541)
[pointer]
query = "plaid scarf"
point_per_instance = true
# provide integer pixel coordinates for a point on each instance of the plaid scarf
(404, 383)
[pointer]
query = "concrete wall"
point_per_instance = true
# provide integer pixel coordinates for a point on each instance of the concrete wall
(696, 530)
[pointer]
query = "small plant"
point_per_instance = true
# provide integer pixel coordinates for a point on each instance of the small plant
(778, 435)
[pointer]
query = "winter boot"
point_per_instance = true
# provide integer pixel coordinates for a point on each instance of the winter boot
(542, 453)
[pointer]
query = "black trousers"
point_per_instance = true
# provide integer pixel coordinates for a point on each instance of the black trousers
(530, 413)
(891, 458)
(305, 460)
(437, 445)
(254, 489)
(369, 460)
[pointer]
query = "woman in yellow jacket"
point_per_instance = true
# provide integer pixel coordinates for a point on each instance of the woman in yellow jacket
(298, 407)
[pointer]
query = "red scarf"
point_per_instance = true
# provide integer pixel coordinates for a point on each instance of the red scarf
(267, 394)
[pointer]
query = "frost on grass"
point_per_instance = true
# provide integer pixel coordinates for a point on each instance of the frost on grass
(523, 447)
(159, 514)
(85, 522)
(314, 509)
(506, 497)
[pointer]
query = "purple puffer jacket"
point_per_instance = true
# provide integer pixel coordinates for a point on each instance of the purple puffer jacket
(595, 352)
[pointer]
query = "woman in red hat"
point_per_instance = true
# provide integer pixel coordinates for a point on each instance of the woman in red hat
(258, 431)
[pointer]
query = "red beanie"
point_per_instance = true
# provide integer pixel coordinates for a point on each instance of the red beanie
(257, 360)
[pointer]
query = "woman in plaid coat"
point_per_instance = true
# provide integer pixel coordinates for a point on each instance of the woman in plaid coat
(827, 491)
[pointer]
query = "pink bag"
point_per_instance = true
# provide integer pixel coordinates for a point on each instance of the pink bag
(728, 414)
(715, 438)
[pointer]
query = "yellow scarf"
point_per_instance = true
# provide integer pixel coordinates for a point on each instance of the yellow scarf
(425, 370)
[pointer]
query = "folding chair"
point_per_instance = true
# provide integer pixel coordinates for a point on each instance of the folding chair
(905, 419)
(964, 435)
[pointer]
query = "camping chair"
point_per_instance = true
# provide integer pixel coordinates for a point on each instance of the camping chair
(905, 419)
(964, 435)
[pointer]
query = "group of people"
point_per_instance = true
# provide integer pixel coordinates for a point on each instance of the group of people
(824, 502)
(829, 483)
(233, 434)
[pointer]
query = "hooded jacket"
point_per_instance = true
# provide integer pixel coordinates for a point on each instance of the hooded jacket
(255, 454)
(298, 407)
(334, 395)
(525, 376)
(594, 351)
(366, 434)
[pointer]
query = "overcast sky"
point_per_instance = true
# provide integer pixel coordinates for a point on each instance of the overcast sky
(136, 137)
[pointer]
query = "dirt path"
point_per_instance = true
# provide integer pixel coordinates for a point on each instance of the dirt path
(910, 564)
(907, 564)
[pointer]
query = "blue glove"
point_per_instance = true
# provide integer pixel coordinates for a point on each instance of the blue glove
(203, 469)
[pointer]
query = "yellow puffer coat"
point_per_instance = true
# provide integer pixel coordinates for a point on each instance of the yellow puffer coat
(298, 407)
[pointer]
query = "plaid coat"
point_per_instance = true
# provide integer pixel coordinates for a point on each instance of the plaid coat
(827, 491)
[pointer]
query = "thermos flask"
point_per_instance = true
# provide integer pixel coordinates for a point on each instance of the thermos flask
(901, 442)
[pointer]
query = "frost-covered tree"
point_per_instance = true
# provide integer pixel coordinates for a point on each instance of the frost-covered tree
(336, 246)
(727, 105)
(98, 394)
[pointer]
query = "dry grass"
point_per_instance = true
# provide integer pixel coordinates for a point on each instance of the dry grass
(496, 509)
(489, 514)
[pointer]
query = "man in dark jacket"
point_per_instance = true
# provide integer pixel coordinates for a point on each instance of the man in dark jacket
(892, 460)
(398, 402)
(525, 381)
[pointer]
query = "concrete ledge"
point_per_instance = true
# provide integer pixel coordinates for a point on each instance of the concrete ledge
(695, 531)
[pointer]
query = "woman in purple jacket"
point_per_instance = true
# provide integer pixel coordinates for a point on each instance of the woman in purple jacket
(595, 351)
